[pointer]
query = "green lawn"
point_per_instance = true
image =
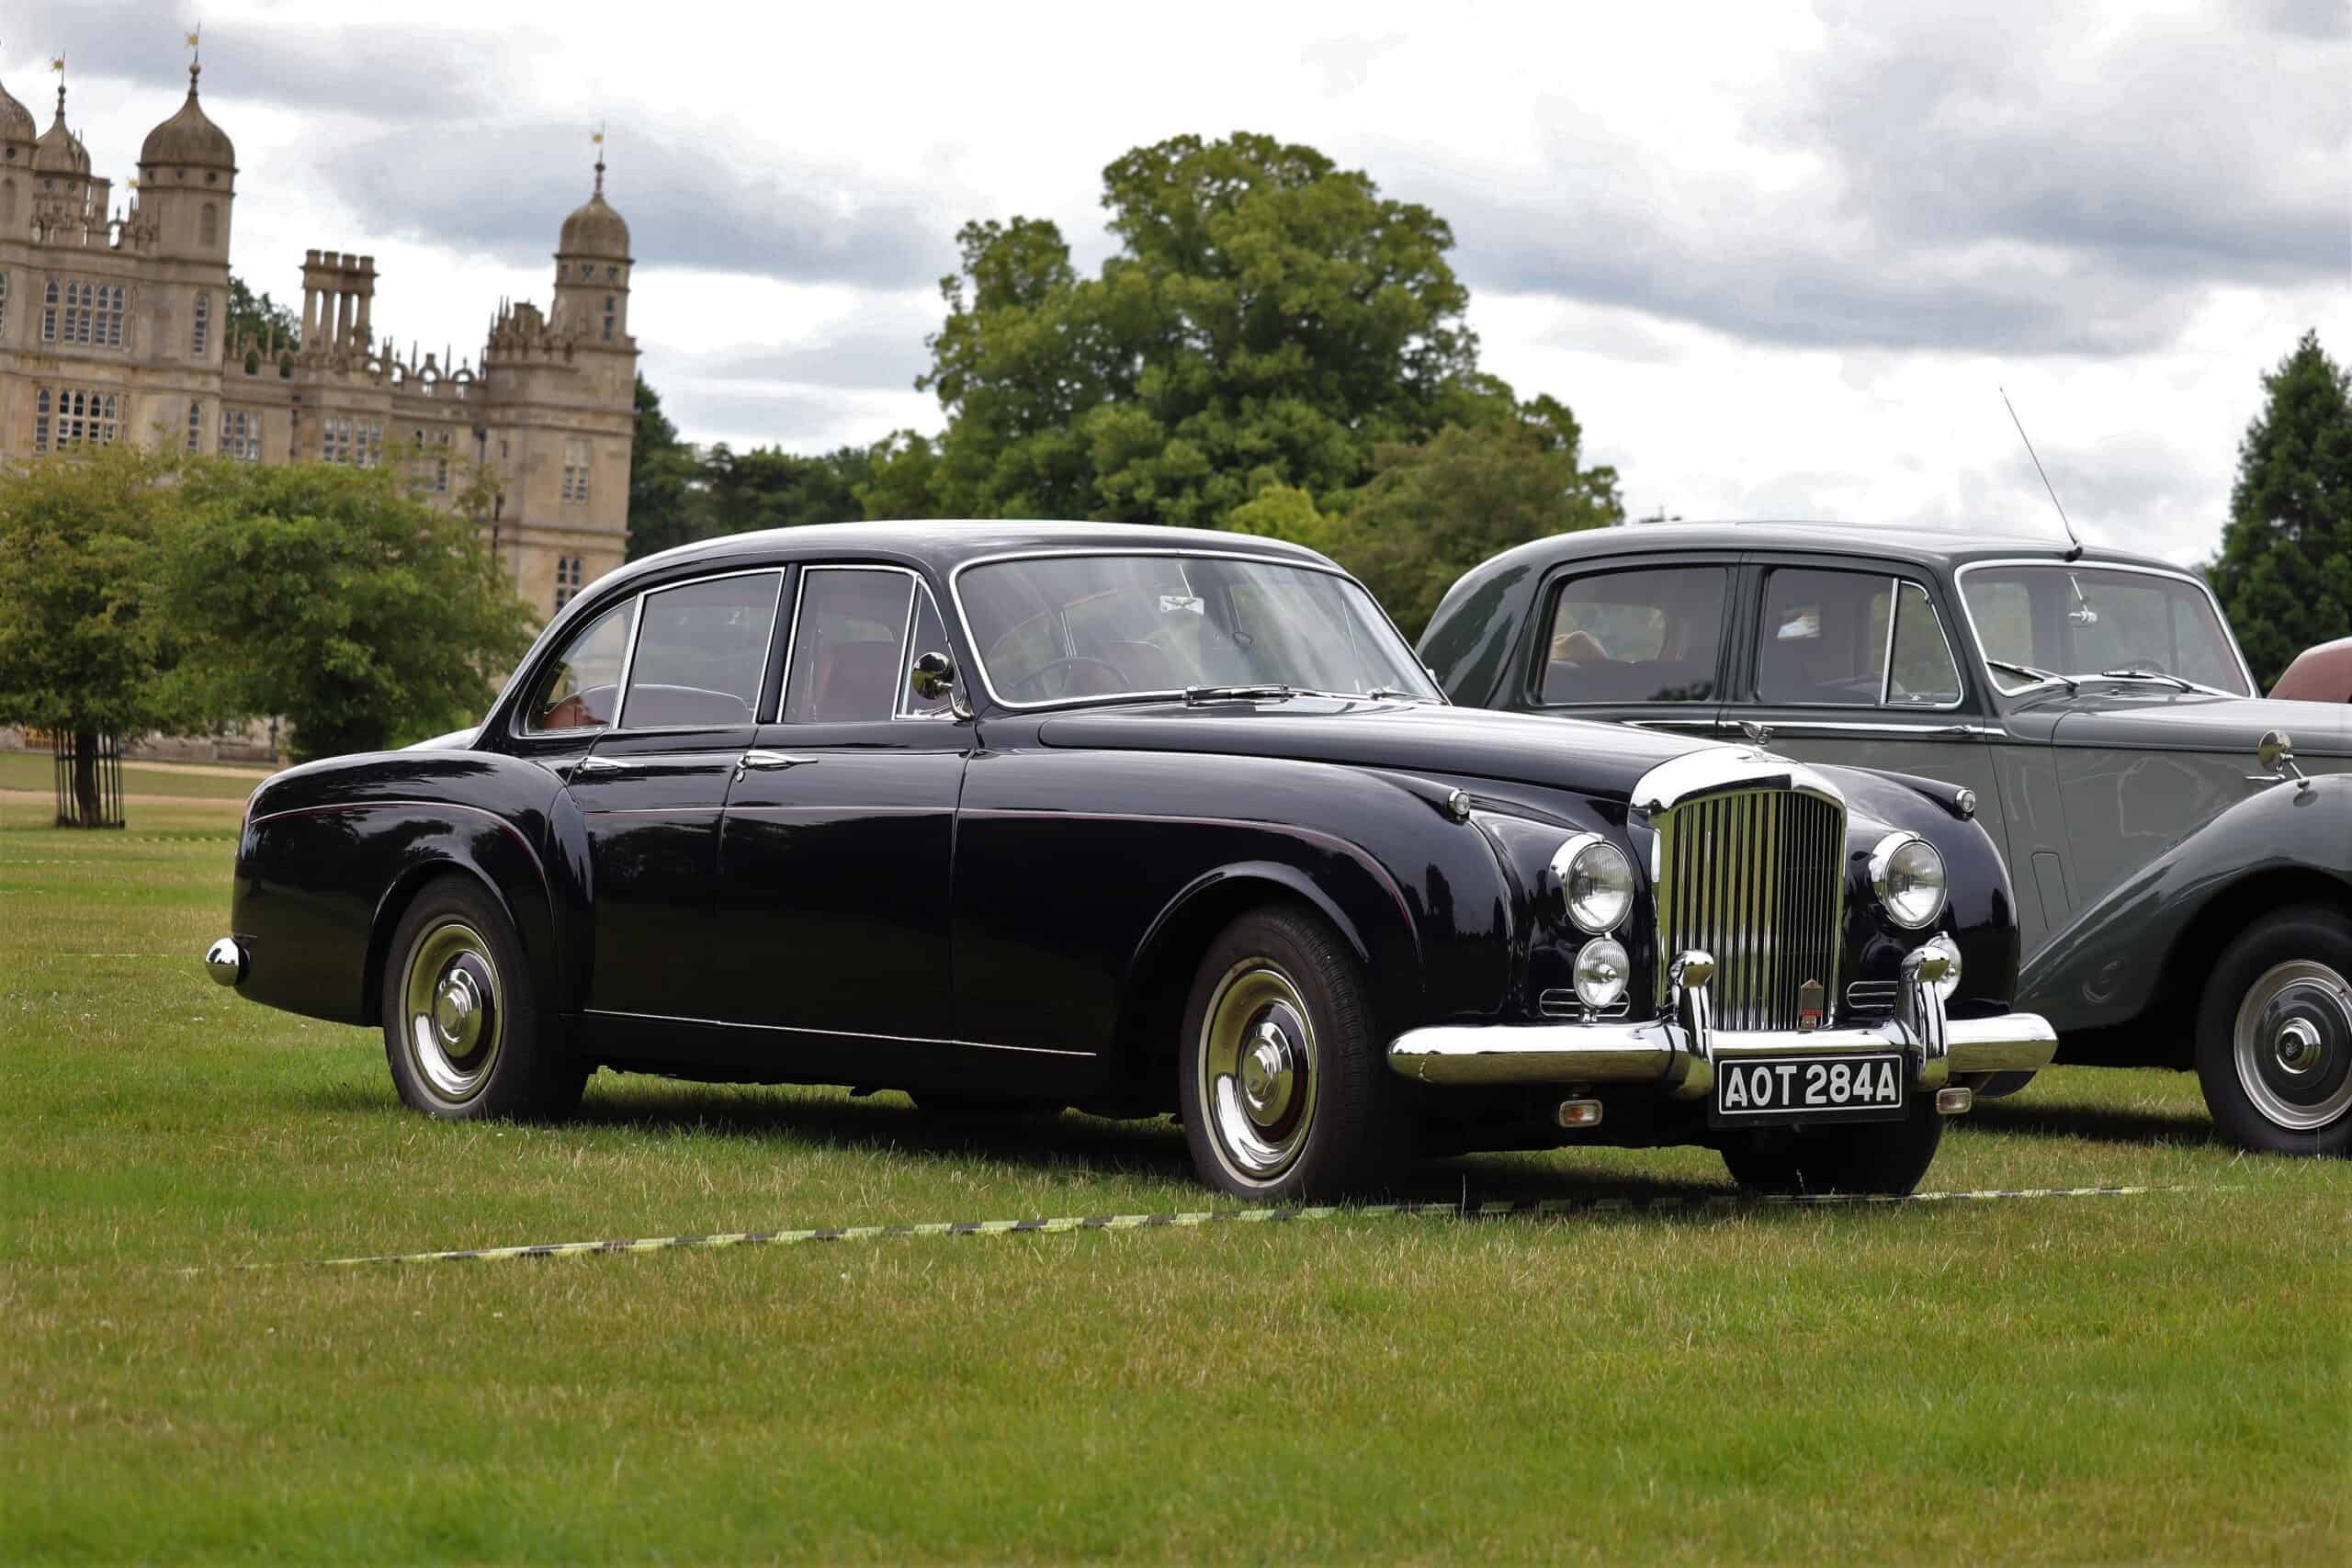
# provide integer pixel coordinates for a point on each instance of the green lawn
(2157, 1377)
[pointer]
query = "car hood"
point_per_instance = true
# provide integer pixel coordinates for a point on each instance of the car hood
(1599, 760)
(2153, 718)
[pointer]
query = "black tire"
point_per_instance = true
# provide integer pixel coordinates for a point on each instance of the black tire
(2280, 993)
(501, 1053)
(1334, 1121)
(1870, 1157)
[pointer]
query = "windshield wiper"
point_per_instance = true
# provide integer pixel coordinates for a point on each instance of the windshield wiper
(2030, 673)
(2164, 675)
(1270, 690)
(1391, 695)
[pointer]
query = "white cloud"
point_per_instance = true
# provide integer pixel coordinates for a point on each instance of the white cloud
(1778, 257)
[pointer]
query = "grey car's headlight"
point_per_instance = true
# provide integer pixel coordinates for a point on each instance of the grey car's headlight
(1596, 883)
(1601, 971)
(1908, 874)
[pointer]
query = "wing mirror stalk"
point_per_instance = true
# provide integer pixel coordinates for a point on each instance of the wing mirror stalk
(934, 677)
(2277, 754)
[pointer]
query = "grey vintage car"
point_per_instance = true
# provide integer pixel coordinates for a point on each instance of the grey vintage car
(2183, 890)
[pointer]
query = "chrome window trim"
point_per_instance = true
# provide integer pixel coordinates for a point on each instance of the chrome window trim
(792, 643)
(1896, 583)
(637, 629)
(2230, 637)
(835, 1034)
(955, 592)
(1661, 560)
(908, 654)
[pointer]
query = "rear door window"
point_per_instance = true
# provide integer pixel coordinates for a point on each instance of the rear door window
(1647, 634)
(702, 650)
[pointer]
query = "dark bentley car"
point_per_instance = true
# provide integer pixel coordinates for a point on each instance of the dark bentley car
(2185, 892)
(1137, 820)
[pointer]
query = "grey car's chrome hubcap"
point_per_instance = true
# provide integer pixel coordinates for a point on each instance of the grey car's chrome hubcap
(2292, 1042)
(451, 1018)
(1257, 1072)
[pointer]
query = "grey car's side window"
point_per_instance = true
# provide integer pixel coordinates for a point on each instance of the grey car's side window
(1851, 639)
(1646, 635)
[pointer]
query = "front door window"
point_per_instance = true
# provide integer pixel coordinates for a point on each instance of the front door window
(1826, 640)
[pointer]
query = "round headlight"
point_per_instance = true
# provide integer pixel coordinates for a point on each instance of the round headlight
(1596, 882)
(1601, 970)
(1908, 874)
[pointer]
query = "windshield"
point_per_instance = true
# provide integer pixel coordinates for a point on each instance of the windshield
(1061, 629)
(2085, 621)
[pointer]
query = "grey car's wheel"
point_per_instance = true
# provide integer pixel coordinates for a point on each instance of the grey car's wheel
(464, 1033)
(1870, 1157)
(1285, 1094)
(2273, 1034)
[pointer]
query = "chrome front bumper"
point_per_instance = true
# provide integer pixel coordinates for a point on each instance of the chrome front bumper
(1679, 1052)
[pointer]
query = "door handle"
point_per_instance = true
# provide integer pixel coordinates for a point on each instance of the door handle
(598, 765)
(756, 758)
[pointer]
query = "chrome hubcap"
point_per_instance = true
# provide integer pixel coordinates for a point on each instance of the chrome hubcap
(1257, 1072)
(452, 1023)
(2292, 1042)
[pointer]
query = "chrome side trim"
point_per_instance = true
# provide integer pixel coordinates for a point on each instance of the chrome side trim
(828, 1033)
(1876, 727)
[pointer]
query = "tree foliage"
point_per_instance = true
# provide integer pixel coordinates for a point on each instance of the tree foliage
(331, 596)
(1269, 319)
(2285, 571)
(662, 479)
(259, 315)
(1433, 510)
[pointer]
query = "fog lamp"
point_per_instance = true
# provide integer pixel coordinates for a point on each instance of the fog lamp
(1601, 969)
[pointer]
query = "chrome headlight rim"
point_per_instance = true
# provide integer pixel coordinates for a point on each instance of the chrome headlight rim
(1882, 872)
(1566, 861)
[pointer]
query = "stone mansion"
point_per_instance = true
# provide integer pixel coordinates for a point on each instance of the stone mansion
(114, 327)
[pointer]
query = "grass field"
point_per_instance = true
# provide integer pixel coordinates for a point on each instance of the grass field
(2164, 1376)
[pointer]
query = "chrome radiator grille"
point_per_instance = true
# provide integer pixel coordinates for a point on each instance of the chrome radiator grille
(1757, 878)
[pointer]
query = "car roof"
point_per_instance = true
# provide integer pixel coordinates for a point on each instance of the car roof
(1913, 545)
(947, 543)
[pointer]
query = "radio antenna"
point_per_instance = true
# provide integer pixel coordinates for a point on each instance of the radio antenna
(2075, 553)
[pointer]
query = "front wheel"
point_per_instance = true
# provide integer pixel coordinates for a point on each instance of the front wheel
(1285, 1096)
(2273, 1034)
(464, 1030)
(1870, 1157)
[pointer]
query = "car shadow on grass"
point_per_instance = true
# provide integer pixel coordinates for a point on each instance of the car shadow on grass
(2095, 1123)
(1150, 1150)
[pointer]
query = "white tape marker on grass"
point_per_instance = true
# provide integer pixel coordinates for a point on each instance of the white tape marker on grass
(1706, 1202)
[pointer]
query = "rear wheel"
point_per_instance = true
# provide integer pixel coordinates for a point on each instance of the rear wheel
(1871, 1158)
(1285, 1094)
(464, 1030)
(2273, 1034)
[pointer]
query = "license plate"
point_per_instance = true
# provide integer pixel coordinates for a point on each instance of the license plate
(1864, 1088)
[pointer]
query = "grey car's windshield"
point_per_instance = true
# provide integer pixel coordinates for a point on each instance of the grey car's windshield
(1066, 628)
(2082, 622)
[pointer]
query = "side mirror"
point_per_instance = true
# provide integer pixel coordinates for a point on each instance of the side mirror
(934, 676)
(2276, 752)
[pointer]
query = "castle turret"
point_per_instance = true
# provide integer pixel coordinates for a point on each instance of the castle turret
(187, 177)
(592, 267)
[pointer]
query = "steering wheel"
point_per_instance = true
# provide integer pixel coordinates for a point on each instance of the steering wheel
(1034, 680)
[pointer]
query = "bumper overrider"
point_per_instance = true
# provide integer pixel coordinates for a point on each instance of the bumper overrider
(1679, 1052)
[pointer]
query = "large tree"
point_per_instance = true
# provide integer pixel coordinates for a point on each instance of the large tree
(85, 625)
(335, 598)
(664, 477)
(2285, 571)
(1434, 509)
(1269, 319)
(259, 315)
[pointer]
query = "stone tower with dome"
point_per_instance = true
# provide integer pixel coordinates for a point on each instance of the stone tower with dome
(114, 326)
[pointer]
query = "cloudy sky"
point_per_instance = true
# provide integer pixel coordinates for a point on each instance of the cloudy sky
(1779, 257)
